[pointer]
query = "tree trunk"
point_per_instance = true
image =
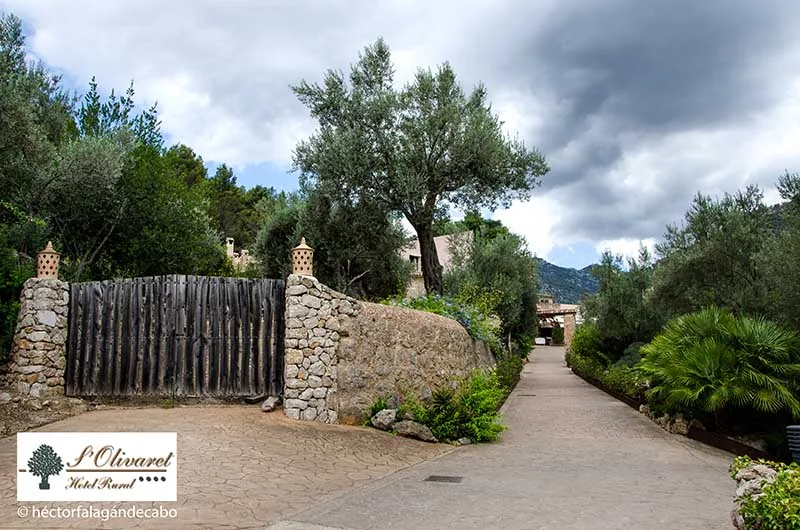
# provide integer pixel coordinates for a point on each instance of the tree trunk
(44, 484)
(431, 268)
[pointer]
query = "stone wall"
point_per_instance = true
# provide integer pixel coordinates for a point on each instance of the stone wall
(316, 319)
(38, 355)
(393, 351)
(342, 355)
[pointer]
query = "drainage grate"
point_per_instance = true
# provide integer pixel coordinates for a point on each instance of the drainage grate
(444, 478)
(526, 395)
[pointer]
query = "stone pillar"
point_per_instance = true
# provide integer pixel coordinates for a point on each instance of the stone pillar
(316, 318)
(569, 328)
(38, 356)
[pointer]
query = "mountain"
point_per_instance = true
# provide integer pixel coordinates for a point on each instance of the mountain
(566, 285)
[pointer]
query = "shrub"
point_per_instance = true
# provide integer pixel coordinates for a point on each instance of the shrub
(741, 462)
(468, 411)
(779, 506)
(713, 361)
(558, 335)
(509, 367)
(479, 325)
(619, 378)
(380, 404)
(587, 344)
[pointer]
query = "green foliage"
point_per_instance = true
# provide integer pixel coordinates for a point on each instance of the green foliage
(13, 273)
(469, 411)
(712, 258)
(713, 361)
(778, 258)
(741, 462)
(356, 243)
(558, 335)
(416, 151)
(411, 406)
(779, 506)
(380, 404)
(619, 378)
(495, 266)
(479, 325)
(587, 343)
(621, 309)
(508, 369)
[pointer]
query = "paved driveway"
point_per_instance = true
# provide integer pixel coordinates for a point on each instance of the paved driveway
(573, 459)
(238, 467)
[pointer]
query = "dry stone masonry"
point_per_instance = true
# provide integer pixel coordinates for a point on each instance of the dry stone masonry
(342, 354)
(38, 357)
(316, 319)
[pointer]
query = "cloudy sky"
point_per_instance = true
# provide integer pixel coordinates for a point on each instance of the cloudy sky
(637, 105)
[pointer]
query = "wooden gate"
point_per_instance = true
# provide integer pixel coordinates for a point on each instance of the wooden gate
(176, 336)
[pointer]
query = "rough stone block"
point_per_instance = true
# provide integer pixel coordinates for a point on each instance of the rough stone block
(311, 301)
(292, 414)
(297, 311)
(296, 404)
(294, 357)
(296, 290)
(317, 368)
(296, 383)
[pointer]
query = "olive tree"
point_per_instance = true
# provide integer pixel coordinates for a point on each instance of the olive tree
(418, 150)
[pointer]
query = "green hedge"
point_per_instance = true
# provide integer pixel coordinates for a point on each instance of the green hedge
(620, 378)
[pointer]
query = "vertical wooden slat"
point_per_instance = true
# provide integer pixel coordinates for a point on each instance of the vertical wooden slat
(95, 355)
(168, 331)
(198, 348)
(257, 373)
(135, 354)
(147, 334)
(234, 385)
(191, 331)
(278, 303)
(244, 333)
(73, 341)
(222, 348)
(213, 326)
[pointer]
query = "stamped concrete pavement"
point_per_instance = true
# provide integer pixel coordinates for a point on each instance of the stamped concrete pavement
(237, 466)
(573, 458)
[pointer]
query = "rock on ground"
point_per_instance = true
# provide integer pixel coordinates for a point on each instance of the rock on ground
(412, 429)
(270, 403)
(384, 419)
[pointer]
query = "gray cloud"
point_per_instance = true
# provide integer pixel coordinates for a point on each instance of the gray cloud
(638, 105)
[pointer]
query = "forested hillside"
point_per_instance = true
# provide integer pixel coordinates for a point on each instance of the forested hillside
(566, 285)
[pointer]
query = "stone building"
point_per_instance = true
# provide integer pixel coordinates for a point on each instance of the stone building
(240, 260)
(445, 248)
(552, 314)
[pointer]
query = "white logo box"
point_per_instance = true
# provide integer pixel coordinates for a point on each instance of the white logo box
(97, 466)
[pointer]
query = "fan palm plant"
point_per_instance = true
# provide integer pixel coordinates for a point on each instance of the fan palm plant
(714, 361)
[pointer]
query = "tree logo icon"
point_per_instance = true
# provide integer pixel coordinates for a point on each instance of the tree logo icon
(44, 463)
